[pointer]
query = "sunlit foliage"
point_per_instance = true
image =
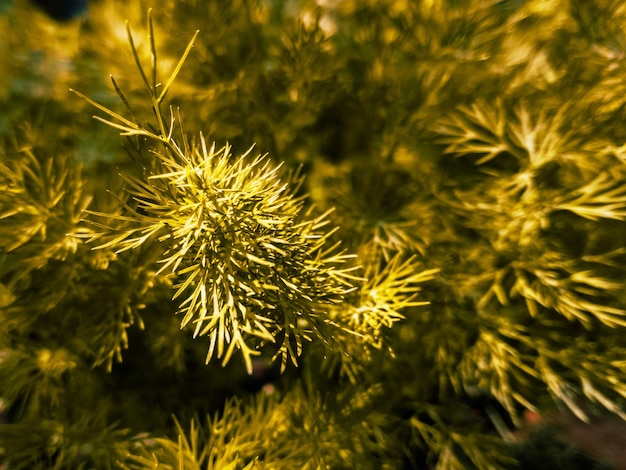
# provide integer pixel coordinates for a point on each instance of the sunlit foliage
(308, 234)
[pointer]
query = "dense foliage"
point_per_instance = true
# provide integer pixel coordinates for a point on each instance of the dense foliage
(332, 234)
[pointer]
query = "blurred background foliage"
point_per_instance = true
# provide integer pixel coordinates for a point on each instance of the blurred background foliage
(482, 139)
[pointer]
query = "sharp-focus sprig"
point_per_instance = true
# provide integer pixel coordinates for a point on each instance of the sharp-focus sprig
(250, 265)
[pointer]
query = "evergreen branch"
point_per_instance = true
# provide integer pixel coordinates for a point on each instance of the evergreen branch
(494, 364)
(455, 445)
(219, 217)
(477, 129)
(601, 198)
(40, 205)
(577, 296)
(490, 131)
(274, 431)
(389, 291)
(541, 137)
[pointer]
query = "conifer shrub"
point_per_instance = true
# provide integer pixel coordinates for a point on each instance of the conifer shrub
(309, 234)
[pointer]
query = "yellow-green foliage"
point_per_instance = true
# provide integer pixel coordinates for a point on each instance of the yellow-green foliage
(406, 215)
